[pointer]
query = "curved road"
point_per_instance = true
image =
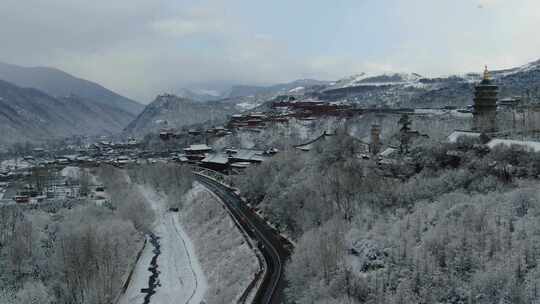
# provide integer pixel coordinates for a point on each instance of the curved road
(274, 248)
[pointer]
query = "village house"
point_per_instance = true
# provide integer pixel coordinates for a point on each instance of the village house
(216, 161)
(244, 155)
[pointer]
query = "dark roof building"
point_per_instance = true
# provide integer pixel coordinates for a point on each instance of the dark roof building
(216, 161)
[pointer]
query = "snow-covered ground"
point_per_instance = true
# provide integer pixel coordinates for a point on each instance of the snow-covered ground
(204, 257)
(227, 260)
(139, 280)
(71, 172)
(181, 277)
(245, 106)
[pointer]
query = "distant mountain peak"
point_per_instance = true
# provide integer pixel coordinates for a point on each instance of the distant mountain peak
(199, 94)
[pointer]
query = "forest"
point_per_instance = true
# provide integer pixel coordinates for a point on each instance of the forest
(76, 251)
(449, 223)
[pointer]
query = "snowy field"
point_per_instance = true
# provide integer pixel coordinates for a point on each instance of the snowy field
(181, 277)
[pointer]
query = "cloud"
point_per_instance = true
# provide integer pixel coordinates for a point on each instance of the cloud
(141, 48)
(194, 21)
(178, 27)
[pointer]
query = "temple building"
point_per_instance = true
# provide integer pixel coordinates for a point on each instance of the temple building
(485, 105)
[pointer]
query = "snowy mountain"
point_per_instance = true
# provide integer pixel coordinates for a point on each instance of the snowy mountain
(413, 90)
(383, 79)
(246, 97)
(57, 83)
(273, 90)
(388, 89)
(170, 111)
(31, 115)
(199, 94)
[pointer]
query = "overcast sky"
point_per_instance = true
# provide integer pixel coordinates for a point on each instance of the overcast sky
(140, 48)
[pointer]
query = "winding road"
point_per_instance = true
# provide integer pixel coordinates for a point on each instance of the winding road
(274, 248)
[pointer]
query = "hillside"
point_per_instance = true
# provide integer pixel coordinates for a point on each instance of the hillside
(170, 111)
(246, 97)
(389, 89)
(58, 84)
(31, 115)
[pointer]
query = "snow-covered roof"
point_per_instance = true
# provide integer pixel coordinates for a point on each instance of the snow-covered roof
(430, 111)
(453, 137)
(241, 165)
(198, 147)
(216, 158)
(248, 155)
(387, 152)
(532, 145)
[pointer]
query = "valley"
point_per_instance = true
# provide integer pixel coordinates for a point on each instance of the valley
(239, 184)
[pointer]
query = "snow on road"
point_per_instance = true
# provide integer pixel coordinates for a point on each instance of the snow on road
(139, 280)
(181, 277)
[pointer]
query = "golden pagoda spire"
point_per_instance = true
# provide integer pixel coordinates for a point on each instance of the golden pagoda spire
(487, 76)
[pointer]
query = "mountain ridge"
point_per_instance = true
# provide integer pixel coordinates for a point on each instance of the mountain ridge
(58, 83)
(28, 114)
